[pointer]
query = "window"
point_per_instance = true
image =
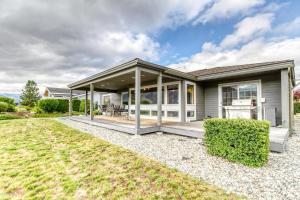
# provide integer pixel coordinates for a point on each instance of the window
(172, 113)
(154, 113)
(149, 95)
(190, 94)
(190, 113)
(125, 98)
(172, 94)
(248, 91)
(145, 112)
(106, 100)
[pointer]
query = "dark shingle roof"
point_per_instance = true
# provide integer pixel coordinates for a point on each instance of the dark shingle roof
(217, 70)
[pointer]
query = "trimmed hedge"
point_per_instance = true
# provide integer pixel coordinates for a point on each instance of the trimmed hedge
(7, 100)
(3, 106)
(82, 105)
(296, 107)
(76, 105)
(239, 140)
(63, 105)
(48, 105)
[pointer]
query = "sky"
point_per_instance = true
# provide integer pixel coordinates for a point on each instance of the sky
(58, 42)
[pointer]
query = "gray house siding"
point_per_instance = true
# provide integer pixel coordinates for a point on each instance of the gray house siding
(270, 86)
(200, 101)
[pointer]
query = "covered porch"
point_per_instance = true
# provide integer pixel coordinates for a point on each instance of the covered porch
(145, 91)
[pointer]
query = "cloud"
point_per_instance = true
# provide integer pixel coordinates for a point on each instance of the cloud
(249, 28)
(57, 42)
(221, 9)
(254, 40)
(290, 28)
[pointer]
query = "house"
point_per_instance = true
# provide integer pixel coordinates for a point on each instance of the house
(64, 93)
(151, 91)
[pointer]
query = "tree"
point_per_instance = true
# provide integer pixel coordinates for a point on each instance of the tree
(30, 94)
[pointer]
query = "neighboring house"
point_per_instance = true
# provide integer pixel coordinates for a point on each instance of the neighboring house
(256, 91)
(64, 93)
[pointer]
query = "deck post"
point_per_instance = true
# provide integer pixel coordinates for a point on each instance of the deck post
(86, 100)
(70, 103)
(159, 99)
(182, 101)
(137, 98)
(285, 108)
(92, 101)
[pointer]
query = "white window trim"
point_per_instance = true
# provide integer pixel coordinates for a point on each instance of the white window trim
(259, 95)
(190, 105)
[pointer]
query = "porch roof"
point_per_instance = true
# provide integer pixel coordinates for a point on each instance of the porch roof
(127, 78)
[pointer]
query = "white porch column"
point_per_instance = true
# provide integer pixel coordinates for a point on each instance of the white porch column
(159, 99)
(137, 98)
(92, 101)
(182, 101)
(70, 103)
(285, 107)
(86, 100)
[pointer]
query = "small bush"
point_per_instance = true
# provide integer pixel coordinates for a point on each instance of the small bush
(239, 140)
(3, 107)
(296, 107)
(7, 100)
(63, 105)
(82, 105)
(11, 108)
(37, 110)
(48, 105)
(27, 108)
(76, 105)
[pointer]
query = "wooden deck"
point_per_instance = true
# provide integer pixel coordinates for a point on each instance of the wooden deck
(278, 136)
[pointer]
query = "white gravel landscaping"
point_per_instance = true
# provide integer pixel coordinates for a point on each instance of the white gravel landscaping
(280, 179)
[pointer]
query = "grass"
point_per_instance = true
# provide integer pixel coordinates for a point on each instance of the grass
(43, 159)
(6, 116)
(53, 115)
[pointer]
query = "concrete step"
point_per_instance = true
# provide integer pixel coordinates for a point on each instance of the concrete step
(278, 139)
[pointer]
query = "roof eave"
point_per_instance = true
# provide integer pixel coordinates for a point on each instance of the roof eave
(247, 71)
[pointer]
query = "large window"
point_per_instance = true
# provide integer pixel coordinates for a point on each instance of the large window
(237, 98)
(125, 98)
(172, 94)
(190, 93)
(149, 95)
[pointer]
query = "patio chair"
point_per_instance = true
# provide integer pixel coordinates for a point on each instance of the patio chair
(102, 109)
(117, 110)
(123, 111)
(110, 110)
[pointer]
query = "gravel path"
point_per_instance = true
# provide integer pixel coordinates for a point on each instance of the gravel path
(280, 179)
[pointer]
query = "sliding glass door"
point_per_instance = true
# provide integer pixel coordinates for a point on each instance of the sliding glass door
(240, 100)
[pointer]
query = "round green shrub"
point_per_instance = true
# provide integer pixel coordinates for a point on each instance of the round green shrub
(48, 105)
(3, 107)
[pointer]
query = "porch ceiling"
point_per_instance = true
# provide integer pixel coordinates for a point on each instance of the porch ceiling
(124, 81)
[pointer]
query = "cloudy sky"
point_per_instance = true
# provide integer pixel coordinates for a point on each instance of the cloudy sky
(57, 42)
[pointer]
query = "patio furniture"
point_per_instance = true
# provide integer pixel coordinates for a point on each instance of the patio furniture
(102, 109)
(110, 110)
(123, 111)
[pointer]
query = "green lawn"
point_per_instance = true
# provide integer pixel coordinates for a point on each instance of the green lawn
(43, 159)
